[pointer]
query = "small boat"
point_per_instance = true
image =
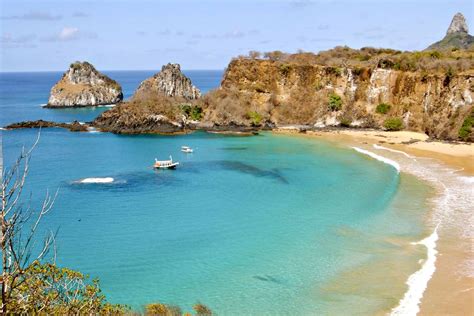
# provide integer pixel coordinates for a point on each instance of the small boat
(165, 164)
(186, 149)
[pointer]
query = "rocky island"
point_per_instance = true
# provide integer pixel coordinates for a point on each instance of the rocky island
(159, 105)
(82, 85)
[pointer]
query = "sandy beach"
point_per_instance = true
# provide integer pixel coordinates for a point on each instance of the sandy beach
(449, 167)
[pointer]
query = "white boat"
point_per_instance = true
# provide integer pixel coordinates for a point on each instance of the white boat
(186, 149)
(165, 164)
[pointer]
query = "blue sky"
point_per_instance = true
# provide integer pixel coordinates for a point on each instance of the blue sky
(120, 35)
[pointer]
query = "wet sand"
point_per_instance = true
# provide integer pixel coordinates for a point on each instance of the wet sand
(450, 291)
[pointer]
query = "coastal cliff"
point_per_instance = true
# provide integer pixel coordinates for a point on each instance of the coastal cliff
(158, 105)
(82, 85)
(258, 92)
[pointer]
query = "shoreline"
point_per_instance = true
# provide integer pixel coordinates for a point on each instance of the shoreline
(449, 289)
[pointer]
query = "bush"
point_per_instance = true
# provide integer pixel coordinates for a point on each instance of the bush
(393, 124)
(51, 290)
(285, 69)
(194, 112)
(346, 122)
(335, 102)
(202, 310)
(383, 108)
(255, 117)
(466, 127)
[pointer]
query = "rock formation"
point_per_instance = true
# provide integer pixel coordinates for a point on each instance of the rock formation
(171, 82)
(156, 106)
(457, 36)
(82, 85)
(75, 126)
(458, 24)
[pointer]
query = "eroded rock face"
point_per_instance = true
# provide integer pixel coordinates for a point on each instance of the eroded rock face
(82, 85)
(458, 24)
(171, 82)
(292, 94)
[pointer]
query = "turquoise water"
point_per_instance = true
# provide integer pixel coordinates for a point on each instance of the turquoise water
(247, 225)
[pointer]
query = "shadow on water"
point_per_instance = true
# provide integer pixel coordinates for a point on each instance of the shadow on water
(233, 165)
(268, 278)
(128, 181)
(233, 148)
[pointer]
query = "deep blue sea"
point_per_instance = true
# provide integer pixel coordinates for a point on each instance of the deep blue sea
(262, 225)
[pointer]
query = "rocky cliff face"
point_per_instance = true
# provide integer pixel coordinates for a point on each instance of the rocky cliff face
(458, 24)
(171, 82)
(457, 36)
(82, 85)
(255, 92)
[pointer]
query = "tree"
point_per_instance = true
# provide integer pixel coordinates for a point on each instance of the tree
(253, 54)
(275, 55)
(18, 249)
(28, 285)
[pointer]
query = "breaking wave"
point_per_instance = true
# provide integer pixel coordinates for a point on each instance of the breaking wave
(418, 281)
(97, 180)
(392, 150)
(378, 157)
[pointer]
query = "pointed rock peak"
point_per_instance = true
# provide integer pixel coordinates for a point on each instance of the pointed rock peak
(171, 82)
(458, 25)
(170, 66)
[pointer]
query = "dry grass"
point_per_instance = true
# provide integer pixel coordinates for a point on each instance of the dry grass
(343, 56)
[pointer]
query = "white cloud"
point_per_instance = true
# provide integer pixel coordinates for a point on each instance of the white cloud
(8, 38)
(70, 34)
(34, 15)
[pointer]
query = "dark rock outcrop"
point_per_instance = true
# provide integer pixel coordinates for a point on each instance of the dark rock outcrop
(73, 127)
(82, 85)
(170, 82)
(457, 36)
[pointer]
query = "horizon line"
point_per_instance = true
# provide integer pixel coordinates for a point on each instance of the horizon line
(102, 70)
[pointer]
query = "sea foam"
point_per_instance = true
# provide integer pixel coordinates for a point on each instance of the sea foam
(392, 150)
(418, 281)
(378, 157)
(97, 180)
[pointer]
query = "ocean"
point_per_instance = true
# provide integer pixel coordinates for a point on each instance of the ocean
(262, 225)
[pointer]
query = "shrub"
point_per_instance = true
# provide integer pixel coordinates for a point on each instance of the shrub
(52, 290)
(335, 102)
(393, 124)
(318, 85)
(383, 108)
(285, 69)
(255, 117)
(192, 111)
(202, 310)
(345, 122)
(466, 127)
